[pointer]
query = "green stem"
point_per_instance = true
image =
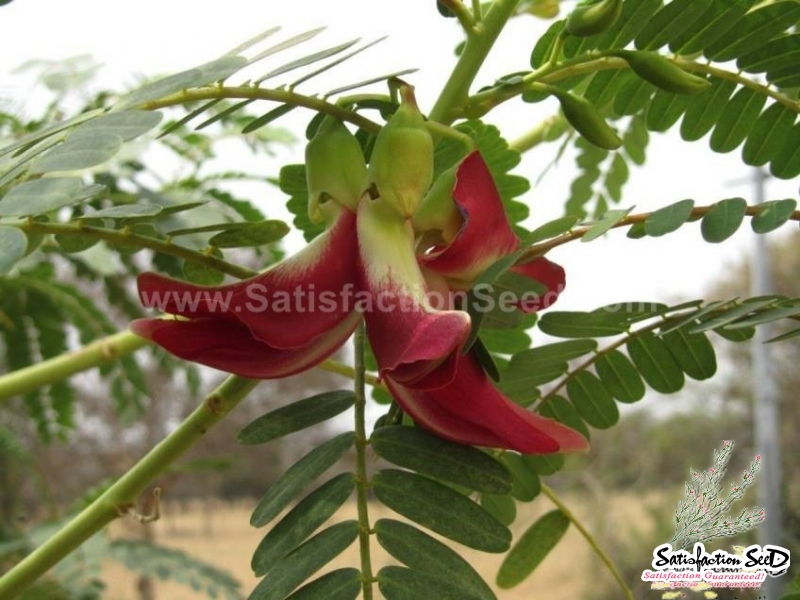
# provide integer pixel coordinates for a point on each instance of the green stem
(547, 491)
(333, 366)
(123, 238)
(539, 134)
(283, 96)
(698, 212)
(97, 353)
(122, 496)
(450, 104)
(362, 479)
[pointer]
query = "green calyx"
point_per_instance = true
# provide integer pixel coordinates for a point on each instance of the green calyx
(593, 17)
(662, 72)
(335, 170)
(401, 167)
(438, 212)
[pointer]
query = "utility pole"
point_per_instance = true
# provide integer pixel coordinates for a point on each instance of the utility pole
(765, 404)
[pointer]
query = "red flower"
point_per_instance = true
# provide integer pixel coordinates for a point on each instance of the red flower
(294, 315)
(263, 327)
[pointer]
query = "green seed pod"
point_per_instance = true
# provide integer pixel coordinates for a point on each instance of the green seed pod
(663, 73)
(583, 116)
(401, 167)
(335, 169)
(593, 17)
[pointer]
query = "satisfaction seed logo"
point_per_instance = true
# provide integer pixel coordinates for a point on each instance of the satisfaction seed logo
(703, 515)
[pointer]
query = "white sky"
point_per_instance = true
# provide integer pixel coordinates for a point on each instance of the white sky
(148, 37)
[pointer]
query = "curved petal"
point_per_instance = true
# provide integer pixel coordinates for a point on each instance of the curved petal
(287, 306)
(546, 272)
(230, 346)
(470, 410)
(410, 337)
(485, 235)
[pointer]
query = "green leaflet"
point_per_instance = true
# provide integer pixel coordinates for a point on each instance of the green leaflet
(503, 508)
(754, 30)
(400, 583)
(568, 324)
(665, 109)
(737, 120)
(302, 521)
(292, 181)
(81, 152)
(655, 363)
(341, 584)
(593, 402)
(634, 95)
(551, 229)
(305, 560)
(669, 218)
(724, 218)
(544, 464)
(422, 553)
(703, 113)
(204, 74)
(693, 352)
(298, 476)
(732, 314)
(767, 316)
(620, 377)
(669, 23)
(248, 235)
(561, 410)
(125, 211)
(539, 365)
(787, 163)
(526, 480)
(203, 274)
(532, 548)
(440, 509)
(296, 416)
(13, 245)
(780, 53)
(606, 222)
(40, 196)
(713, 24)
(420, 451)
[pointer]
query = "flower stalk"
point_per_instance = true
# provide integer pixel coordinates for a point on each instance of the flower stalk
(121, 496)
(362, 478)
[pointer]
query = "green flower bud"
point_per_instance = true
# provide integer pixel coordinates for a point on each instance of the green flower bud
(335, 170)
(401, 167)
(593, 17)
(583, 116)
(663, 73)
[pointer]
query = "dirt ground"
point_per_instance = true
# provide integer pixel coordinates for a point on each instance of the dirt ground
(220, 534)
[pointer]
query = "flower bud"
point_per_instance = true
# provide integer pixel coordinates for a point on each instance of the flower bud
(663, 73)
(335, 170)
(583, 116)
(401, 167)
(593, 17)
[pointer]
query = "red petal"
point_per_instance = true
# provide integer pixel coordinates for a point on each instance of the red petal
(485, 234)
(545, 272)
(287, 306)
(229, 346)
(470, 410)
(409, 336)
